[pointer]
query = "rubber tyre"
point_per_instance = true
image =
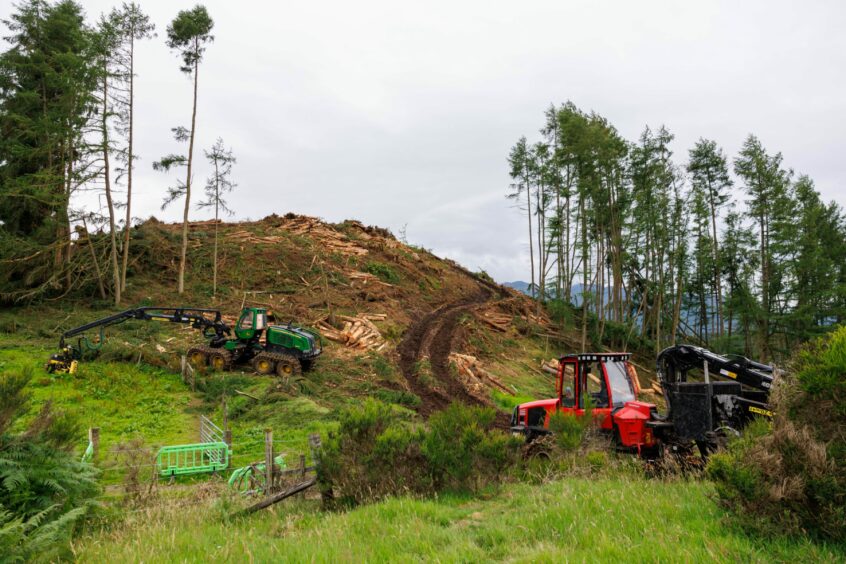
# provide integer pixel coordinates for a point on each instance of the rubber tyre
(263, 365)
(197, 358)
(218, 362)
(288, 366)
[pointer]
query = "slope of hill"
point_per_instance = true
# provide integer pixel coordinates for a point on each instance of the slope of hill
(435, 333)
(424, 311)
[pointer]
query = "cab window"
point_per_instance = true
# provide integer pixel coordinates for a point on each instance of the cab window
(568, 385)
(593, 379)
(621, 386)
(247, 320)
(261, 322)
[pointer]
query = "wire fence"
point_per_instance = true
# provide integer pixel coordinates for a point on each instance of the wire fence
(133, 473)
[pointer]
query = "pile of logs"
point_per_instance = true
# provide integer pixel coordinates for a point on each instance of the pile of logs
(497, 320)
(550, 366)
(328, 237)
(244, 236)
(366, 278)
(475, 379)
(358, 332)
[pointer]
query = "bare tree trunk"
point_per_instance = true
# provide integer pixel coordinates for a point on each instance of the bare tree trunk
(130, 158)
(531, 243)
(585, 263)
(107, 180)
(216, 225)
(94, 260)
(181, 285)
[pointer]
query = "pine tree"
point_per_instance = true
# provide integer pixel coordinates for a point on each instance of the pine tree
(767, 184)
(134, 25)
(218, 184)
(189, 33)
(709, 175)
(519, 162)
(47, 77)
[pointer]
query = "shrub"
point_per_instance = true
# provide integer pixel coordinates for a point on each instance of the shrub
(44, 489)
(569, 430)
(463, 454)
(384, 272)
(791, 475)
(376, 452)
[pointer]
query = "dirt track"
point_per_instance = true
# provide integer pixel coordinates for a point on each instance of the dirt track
(432, 337)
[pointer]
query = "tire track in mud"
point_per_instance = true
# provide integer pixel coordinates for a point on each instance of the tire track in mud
(432, 336)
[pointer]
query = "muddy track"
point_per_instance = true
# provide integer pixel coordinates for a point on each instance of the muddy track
(432, 337)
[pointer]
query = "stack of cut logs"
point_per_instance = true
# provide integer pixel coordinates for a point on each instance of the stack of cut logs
(358, 333)
(497, 320)
(550, 366)
(654, 388)
(244, 236)
(366, 278)
(331, 239)
(475, 379)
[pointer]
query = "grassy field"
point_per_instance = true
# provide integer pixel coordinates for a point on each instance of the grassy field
(621, 518)
(632, 520)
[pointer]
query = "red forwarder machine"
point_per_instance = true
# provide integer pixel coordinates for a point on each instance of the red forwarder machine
(709, 396)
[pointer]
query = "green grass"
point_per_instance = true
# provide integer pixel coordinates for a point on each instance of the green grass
(580, 520)
(124, 400)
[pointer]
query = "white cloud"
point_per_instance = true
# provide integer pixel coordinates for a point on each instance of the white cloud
(403, 113)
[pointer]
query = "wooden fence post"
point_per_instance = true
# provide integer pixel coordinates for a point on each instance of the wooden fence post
(268, 460)
(183, 362)
(302, 472)
(315, 445)
(223, 408)
(94, 439)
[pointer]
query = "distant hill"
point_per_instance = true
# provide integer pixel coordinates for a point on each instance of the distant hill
(519, 285)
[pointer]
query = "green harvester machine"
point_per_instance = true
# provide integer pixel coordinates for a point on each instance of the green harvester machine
(286, 349)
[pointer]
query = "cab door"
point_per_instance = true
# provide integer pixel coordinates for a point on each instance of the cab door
(567, 385)
(593, 388)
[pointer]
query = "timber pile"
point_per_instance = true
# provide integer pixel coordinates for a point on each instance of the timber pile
(497, 320)
(550, 366)
(358, 333)
(244, 236)
(475, 379)
(327, 236)
(366, 278)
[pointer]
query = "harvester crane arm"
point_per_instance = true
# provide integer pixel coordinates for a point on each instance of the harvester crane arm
(673, 364)
(208, 320)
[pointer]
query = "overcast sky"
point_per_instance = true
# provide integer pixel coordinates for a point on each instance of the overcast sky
(400, 113)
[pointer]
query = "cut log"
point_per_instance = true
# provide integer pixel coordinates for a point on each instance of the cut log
(276, 498)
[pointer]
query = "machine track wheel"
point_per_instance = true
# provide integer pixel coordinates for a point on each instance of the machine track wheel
(197, 357)
(219, 361)
(540, 448)
(264, 364)
(287, 366)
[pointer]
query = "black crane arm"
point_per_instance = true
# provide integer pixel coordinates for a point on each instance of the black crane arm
(196, 317)
(673, 363)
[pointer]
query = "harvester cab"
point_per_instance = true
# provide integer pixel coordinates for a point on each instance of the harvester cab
(251, 324)
(604, 384)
